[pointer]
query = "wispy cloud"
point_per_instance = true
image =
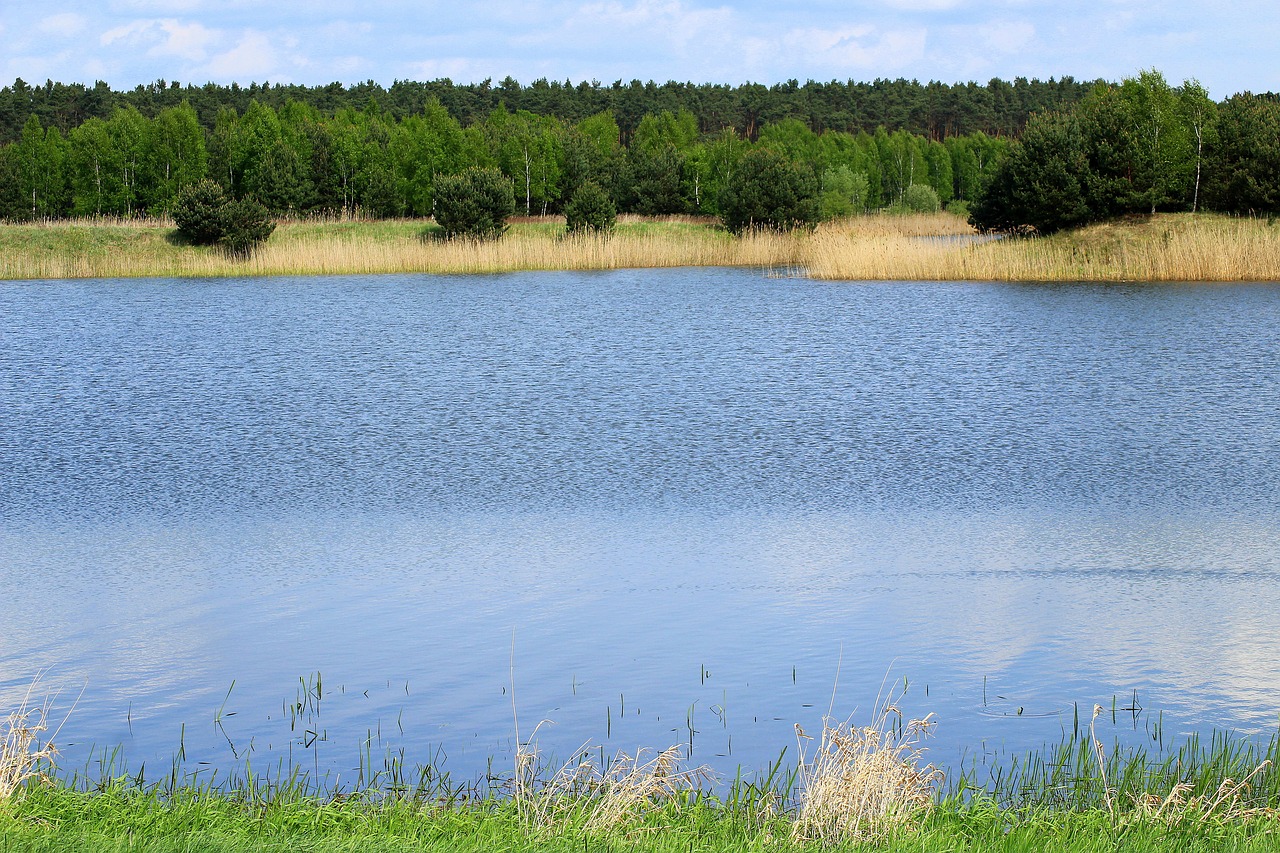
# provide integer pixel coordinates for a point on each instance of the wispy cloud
(254, 57)
(63, 25)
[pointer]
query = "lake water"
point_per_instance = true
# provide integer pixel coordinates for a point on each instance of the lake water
(666, 505)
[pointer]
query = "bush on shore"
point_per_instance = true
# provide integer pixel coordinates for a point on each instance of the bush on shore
(590, 210)
(206, 216)
(474, 204)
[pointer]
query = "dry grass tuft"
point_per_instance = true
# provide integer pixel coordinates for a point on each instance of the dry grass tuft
(602, 796)
(864, 781)
(1228, 804)
(25, 752)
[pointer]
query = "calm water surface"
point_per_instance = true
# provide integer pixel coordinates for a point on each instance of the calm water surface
(687, 496)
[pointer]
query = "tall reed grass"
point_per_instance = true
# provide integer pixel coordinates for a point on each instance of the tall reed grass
(318, 248)
(1179, 247)
(1161, 248)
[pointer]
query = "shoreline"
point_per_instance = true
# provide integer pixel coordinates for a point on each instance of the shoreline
(877, 247)
(862, 788)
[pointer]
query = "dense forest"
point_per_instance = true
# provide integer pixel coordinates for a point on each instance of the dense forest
(1028, 153)
(91, 152)
(934, 110)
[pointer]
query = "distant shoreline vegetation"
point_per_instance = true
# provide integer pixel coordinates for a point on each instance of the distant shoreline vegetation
(751, 158)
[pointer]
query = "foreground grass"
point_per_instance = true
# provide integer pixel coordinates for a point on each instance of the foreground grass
(1170, 247)
(857, 788)
(118, 818)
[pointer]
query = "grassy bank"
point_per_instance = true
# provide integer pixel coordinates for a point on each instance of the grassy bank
(852, 788)
(119, 820)
(1176, 247)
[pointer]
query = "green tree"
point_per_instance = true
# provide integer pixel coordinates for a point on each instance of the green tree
(844, 192)
(94, 170)
(590, 210)
(130, 134)
(1164, 159)
(921, 198)
(228, 151)
(273, 170)
(199, 211)
(206, 215)
(40, 161)
(1242, 174)
(176, 156)
(769, 191)
(656, 132)
(592, 153)
(654, 182)
(529, 149)
(423, 148)
(710, 166)
(475, 203)
(901, 163)
(11, 202)
(1200, 116)
(1042, 183)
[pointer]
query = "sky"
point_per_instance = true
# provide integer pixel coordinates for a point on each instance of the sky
(1228, 46)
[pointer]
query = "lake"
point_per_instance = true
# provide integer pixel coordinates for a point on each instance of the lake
(306, 520)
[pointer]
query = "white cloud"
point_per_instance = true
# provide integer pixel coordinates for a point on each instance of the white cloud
(166, 37)
(701, 40)
(646, 23)
(185, 41)
(253, 58)
(856, 49)
(66, 25)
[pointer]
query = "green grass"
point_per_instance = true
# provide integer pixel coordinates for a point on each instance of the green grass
(121, 818)
(1054, 800)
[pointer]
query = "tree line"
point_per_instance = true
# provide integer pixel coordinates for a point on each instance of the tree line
(933, 110)
(1141, 146)
(301, 160)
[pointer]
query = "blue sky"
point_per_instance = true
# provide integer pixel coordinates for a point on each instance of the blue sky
(1228, 46)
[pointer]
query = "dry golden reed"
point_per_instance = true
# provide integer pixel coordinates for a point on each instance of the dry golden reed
(1178, 247)
(864, 781)
(104, 251)
(608, 796)
(25, 752)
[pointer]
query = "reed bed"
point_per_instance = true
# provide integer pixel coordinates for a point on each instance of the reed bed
(1161, 248)
(308, 248)
(877, 247)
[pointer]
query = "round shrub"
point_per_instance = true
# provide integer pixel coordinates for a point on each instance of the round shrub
(590, 209)
(206, 216)
(921, 198)
(769, 191)
(474, 203)
(200, 212)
